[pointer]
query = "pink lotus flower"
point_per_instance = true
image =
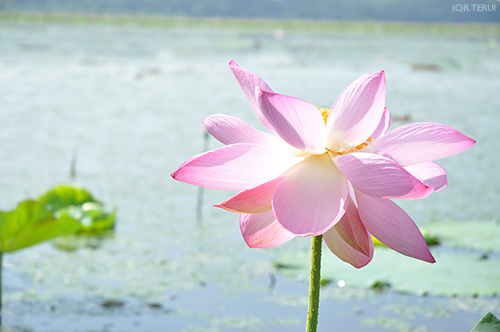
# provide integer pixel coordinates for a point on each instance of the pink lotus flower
(331, 172)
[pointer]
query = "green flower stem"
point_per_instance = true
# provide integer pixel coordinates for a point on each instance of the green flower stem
(1, 256)
(314, 284)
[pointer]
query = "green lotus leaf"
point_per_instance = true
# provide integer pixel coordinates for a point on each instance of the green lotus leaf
(77, 203)
(64, 196)
(30, 224)
(489, 323)
(97, 223)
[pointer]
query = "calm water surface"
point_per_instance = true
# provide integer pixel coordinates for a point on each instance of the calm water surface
(127, 102)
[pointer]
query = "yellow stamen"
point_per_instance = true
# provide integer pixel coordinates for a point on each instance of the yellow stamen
(324, 112)
(359, 147)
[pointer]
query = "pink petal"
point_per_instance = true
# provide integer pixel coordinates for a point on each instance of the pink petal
(312, 197)
(430, 173)
(234, 167)
(262, 230)
(383, 126)
(390, 224)
(351, 230)
(230, 130)
(187, 161)
(344, 251)
(296, 121)
(356, 112)
(416, 143)
(255, 200)
(248, 82)
(380, 177)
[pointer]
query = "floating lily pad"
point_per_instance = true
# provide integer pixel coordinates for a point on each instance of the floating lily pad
(476, 235)
(32, 223)
(453, 274)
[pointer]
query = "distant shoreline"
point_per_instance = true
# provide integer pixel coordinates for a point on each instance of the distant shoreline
(492, 29)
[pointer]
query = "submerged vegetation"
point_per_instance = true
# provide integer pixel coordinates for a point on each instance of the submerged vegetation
(332, 26)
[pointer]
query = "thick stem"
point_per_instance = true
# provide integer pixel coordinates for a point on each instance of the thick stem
(1, 264)
(314, 284)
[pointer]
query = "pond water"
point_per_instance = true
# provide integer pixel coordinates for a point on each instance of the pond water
(126, 102)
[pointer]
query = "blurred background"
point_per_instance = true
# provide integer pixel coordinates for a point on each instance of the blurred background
(110, 95)
(357, 10)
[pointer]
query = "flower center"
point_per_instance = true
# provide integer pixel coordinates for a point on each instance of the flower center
(324, 113)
